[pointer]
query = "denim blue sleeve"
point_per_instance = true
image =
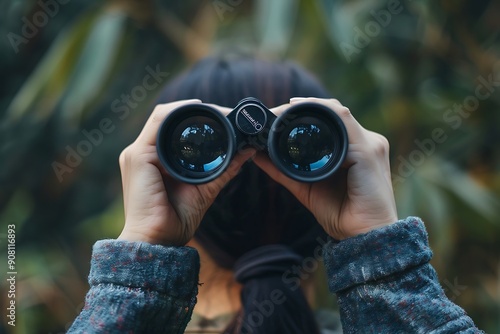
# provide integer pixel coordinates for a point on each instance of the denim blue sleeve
(385, 284)
(139, 288)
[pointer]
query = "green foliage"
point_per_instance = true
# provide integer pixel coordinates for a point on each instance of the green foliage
(401, 79)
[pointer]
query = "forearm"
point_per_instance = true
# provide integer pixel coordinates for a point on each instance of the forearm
(385, 284)
(139, 287)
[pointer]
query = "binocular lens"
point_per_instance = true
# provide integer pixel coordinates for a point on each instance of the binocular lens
(308, 142)
(307, 145)
(195, 143)
(199, 144)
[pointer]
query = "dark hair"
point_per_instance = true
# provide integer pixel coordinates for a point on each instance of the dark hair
(253, 211)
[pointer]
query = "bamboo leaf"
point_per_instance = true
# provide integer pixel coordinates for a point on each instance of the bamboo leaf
(275, 22)
(94, 64)
(42, 90)
(340, 17)
(463, 186)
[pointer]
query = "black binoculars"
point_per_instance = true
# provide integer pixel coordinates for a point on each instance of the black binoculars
(196, 142)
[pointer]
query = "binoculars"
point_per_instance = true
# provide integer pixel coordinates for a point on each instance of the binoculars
(196, 142)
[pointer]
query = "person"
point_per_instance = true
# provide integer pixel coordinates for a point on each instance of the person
(256, 230)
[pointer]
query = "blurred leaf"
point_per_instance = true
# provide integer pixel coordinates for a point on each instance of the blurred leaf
(94, 64)
(340, 18)
(16, 210)
(433, 182)
(43, 88)
(463, 186)
(275, 22)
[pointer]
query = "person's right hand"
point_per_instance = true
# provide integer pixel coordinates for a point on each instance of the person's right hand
(358, 197)
(158, 208)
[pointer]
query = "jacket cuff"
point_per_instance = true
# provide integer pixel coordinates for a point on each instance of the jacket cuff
(170, 270)
(376, 254)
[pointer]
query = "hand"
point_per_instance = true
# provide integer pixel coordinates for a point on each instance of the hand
(158, 208)
(358, 197)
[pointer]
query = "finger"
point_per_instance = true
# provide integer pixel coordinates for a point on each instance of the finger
(213, 188)
(150, 130)
(264, 163)
(280, 109)
(223, 110)
(356, 133)
(124, 166)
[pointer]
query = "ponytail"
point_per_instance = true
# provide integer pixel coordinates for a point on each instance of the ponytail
(269, 305)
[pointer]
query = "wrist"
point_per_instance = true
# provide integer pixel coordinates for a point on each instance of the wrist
(370, 221)
(366, 225)
(137, 236)
(371, 228)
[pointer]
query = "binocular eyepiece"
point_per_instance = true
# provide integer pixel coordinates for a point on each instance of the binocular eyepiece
(196, 143)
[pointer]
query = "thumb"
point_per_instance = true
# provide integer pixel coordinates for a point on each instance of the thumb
(214, 187)
(264, 163)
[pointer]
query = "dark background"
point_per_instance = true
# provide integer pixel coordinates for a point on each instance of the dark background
(414, 71)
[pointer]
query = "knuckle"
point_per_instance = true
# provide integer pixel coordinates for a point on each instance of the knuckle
(344, 112)
(212, 190)
(382, 145)
(128, 156)
(160, 112)
(156, 117)
(123, 157)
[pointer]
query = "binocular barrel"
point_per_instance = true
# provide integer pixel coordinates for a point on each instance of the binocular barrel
(196, 142)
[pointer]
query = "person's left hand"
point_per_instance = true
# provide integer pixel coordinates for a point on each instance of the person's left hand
(358, 197)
